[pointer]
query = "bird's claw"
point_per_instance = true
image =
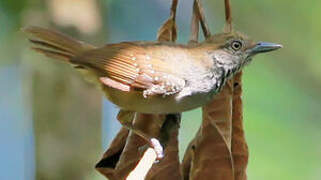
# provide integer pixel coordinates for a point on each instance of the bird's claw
(158, 148)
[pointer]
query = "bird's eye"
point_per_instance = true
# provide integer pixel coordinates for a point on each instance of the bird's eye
(236, 45)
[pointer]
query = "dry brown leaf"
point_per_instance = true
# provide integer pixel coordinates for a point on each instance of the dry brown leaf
(209, 154)
(135, 145)
(168, 31)
(126, 149)
(239, 146)
(107, 164)
(168, 167)
(219, 112)
(188, 157)
(212, 158)
(235, 155)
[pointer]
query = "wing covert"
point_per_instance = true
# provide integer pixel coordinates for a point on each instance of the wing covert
(138, 66)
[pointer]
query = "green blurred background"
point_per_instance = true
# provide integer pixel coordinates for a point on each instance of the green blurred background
(54, 125)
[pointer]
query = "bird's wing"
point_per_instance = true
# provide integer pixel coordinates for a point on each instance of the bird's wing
(137, 66)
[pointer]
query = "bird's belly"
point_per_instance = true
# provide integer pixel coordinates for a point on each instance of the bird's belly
(134, 101)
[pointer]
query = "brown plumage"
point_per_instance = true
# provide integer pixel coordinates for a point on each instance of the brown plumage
(154, 77)
(136, 64)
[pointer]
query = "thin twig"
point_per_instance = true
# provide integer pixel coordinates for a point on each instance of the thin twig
(198, 17)
(205, 28)
(194, 25)
(173, 9)
(143, 166)
(228, 16)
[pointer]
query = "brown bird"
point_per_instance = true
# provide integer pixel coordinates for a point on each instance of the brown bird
(155, 77)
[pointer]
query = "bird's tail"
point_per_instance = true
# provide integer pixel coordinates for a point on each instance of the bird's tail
(54, 44)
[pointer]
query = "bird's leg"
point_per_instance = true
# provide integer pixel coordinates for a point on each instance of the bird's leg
(170, 123)
(126, 118)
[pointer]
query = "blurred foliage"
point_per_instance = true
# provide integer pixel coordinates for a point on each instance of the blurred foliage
(13, 9)
(281, 90)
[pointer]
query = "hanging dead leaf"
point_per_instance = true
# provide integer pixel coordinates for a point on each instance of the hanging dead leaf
(239, 146)
(168, 167)
(188, 157)
(168, 32)
(212, 158)
(127, 149)
(107, 164)
(210, 151)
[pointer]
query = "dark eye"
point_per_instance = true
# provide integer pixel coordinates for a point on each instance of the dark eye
(236, 45)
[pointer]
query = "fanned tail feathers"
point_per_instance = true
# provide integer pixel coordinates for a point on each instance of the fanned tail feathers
(54, 44)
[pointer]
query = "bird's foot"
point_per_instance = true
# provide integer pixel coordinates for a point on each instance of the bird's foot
(158, 148)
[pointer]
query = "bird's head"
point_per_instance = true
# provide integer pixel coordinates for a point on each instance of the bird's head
(234, 50)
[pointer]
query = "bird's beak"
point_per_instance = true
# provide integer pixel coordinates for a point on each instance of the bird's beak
(263, 47)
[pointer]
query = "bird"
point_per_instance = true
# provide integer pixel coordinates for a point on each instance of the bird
(154, 77)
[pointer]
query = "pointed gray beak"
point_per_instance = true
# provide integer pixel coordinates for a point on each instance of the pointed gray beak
(263, 47)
